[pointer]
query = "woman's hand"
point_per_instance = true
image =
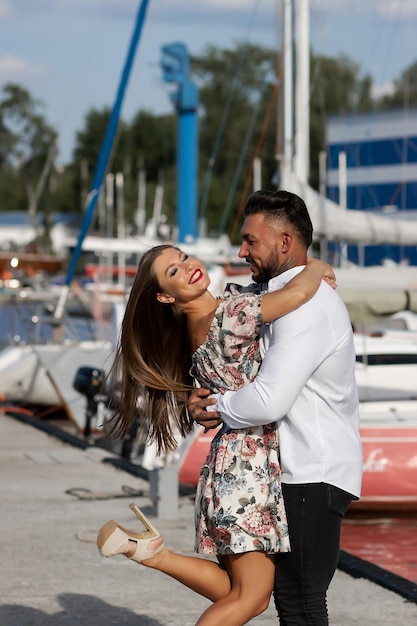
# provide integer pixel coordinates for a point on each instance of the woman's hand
(328, 273)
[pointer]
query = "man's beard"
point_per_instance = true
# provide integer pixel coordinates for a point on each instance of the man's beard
(269, 270)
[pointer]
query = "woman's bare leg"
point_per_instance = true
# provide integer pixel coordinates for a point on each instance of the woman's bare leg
(203, 576)
(252, 575)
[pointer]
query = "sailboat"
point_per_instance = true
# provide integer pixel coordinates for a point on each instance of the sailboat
(43, 372)
(388, 406)
(331, 221)
(389, 428)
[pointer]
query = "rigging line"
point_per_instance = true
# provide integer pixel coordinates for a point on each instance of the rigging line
(257, 151)
(390, 41)
(242, 156)
(74, 88)
(350, 116)
(396, 193)
(226, 110)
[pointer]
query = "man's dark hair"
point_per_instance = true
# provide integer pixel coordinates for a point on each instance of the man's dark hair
(282, 205)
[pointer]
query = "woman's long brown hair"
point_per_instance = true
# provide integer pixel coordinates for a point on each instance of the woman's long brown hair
(152, 363)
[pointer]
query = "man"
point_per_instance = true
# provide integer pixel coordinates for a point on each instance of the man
(307, 383)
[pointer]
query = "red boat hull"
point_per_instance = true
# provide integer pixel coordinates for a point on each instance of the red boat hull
(390, 466)
(195, 456)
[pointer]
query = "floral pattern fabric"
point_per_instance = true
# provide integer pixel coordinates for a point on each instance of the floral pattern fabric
(239, 505)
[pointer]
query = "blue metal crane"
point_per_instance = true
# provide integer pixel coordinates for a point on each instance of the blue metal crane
(175, 66)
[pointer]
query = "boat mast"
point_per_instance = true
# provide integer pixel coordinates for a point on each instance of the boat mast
(288, 95)
(296, 116)
(302, 91)
(104, 153)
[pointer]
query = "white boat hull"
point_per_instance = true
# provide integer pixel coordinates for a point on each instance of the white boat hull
(43, 374)
(386, 366)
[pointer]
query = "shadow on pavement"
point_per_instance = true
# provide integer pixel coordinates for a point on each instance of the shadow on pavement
(81, 610)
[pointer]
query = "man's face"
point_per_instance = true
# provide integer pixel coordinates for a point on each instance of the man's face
(261, 247)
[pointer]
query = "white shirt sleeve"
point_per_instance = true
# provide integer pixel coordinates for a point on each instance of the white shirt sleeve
(299, 342)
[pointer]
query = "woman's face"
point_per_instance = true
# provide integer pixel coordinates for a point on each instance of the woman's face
(182, 278)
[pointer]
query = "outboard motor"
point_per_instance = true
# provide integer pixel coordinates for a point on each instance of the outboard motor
(89, 381)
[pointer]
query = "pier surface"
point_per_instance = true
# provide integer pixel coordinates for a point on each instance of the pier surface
(55, 496)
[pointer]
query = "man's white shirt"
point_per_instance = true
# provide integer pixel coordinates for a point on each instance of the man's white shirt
(307, 383)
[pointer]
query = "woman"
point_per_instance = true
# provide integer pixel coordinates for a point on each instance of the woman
(173, 326)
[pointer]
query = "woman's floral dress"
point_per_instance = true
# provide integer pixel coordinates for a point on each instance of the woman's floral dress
(239, 505)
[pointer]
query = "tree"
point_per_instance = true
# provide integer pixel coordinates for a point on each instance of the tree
(152, 148)
(336, 87)
(27, 154)
(235, 88)
(237, 121)
(405, 90)
(147, 143)
(27, 146)
(241, 80)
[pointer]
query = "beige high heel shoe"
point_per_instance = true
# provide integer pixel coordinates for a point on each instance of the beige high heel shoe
(113, 539)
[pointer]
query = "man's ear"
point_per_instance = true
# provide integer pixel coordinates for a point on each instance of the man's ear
(286, 241)
(165, 298)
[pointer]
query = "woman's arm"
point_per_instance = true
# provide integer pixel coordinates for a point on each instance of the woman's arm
(295, 293)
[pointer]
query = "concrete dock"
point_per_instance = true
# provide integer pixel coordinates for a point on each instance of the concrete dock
(55, 496)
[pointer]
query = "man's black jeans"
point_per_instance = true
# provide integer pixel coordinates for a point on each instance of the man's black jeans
(314, 514)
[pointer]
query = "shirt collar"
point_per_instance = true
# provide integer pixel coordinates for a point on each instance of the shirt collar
(282, 279)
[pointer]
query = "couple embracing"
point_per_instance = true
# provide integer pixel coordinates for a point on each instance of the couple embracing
(275, 367)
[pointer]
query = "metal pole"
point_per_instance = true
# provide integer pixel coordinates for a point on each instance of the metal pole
(287, 160)
(121, 228)
(343, 202)
(302, 122)
(187, 163)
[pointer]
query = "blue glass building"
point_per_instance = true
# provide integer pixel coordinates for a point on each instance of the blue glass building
(381, 159)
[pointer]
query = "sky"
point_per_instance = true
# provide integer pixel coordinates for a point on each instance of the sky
(69, 54)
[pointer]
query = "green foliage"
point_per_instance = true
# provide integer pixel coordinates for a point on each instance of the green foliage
(26, 137)
(235, 89)
(336, 88)
(405, 90)
(152, 142)
(12, 192)
(88, 141)
(27, 151)
(238, 119)
(152, 149)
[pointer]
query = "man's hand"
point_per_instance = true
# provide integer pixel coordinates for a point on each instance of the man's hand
(197, 403)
